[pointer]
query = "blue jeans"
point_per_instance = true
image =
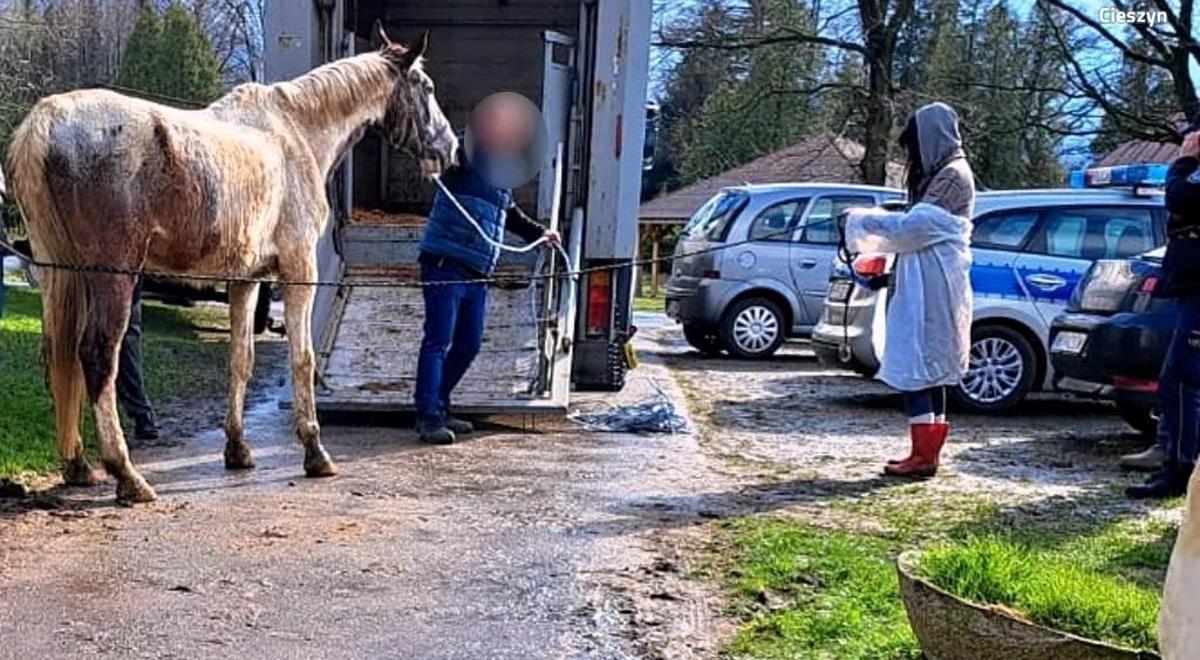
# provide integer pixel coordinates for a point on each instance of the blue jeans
(1179, 388)
(454, 316)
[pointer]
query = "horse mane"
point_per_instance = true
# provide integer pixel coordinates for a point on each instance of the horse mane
(341, 88)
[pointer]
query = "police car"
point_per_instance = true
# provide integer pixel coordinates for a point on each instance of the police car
(1031, 249)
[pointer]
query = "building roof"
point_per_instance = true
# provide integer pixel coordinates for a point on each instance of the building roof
(1136, 152)
(821, 158)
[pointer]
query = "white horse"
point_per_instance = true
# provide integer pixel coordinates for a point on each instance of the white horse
(237, 188)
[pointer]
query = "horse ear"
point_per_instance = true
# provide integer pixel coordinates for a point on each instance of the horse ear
(417, 51)
(385, 42)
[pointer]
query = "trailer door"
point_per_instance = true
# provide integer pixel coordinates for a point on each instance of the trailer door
(560, 294)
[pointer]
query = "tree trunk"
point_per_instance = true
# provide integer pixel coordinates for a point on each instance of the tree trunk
(877, 127)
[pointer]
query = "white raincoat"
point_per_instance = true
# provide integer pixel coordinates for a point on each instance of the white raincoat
(929, 316)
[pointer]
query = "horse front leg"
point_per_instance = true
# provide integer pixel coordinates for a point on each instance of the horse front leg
(298, 304)
(242, 299)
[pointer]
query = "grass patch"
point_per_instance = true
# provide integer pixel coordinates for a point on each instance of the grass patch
(644, 304)
(807, 592)
(185, 356)
(802, 590)
(1080, 592)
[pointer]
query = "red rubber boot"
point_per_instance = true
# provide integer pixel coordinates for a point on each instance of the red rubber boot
(912, 449)
(943, 429)
(928, 440)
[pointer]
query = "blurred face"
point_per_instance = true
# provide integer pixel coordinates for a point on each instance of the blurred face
(502, 124)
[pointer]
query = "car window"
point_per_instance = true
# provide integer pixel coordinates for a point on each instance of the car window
(820, 225)
(1097, 233)
(712, 220)
(1003, 230)
(775, 222)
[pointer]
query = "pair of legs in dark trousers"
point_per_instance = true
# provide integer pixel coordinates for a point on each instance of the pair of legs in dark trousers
(929, 404)
(454, 319)
(1179, 407)
(131, 389)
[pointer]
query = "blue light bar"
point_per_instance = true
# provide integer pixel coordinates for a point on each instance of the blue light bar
(1153, 175)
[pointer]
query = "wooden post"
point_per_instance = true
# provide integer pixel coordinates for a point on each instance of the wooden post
(655, 241)
(638, 273)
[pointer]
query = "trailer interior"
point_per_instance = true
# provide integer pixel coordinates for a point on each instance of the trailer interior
(543, 334)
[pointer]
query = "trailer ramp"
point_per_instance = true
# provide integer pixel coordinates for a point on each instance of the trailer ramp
(372, 337)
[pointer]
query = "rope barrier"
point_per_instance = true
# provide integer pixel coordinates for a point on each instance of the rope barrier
(367, 283)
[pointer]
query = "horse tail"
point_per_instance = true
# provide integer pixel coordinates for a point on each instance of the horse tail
(64, 292)
(29, 153)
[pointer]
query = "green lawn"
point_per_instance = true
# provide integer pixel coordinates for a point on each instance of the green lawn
(644, 304)
(185, 356)
(804, 590)
(808, 592)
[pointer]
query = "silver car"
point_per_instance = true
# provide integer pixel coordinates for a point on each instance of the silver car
(752, 266)
(1031, 248)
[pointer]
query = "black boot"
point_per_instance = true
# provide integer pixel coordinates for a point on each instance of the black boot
(144, 427)
(1171, 481)
(459, 426)
(432, 430)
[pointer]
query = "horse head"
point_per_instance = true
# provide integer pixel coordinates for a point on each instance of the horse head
(413, 121)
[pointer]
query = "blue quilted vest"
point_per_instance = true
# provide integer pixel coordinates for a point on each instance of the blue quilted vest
(448, 234)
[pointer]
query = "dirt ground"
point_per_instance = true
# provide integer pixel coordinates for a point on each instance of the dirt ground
(517, 543)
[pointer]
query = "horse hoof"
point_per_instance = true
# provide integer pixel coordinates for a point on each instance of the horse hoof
(134, 490)
(78, 473)
(238, 457)
(319, 465)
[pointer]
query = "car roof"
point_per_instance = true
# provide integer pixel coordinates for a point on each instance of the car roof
(764, 188)
(1039, 197)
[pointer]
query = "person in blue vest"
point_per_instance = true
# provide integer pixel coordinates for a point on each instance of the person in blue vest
(452, 250)
(1179, 382)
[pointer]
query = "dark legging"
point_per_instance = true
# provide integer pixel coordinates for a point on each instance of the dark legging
(925, 402)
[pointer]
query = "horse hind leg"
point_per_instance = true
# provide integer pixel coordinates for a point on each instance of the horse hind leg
(242, 299)
(108, 316)
(63, 315)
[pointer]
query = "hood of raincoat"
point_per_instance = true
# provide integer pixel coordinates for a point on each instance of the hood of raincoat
(938, 137)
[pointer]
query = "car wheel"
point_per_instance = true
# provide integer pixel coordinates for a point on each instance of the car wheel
(1002, 369)
(1143, 418)
(752, 329)
(702, 338)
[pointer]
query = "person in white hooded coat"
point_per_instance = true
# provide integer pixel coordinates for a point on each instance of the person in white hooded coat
(929, 315)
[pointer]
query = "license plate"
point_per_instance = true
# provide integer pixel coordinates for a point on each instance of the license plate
(840, 291)
(673, 309)
(1069, 342)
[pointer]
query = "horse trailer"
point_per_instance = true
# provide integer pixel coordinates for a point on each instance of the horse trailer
(585, 63)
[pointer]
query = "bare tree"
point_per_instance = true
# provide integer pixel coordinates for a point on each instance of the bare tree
(872, 37)
(1096, 52)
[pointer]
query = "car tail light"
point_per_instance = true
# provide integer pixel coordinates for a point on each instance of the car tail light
(599, 303)
(870, 266)
(1131, 384)
(1149, 285)
(1104, 287)
(712, 275)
